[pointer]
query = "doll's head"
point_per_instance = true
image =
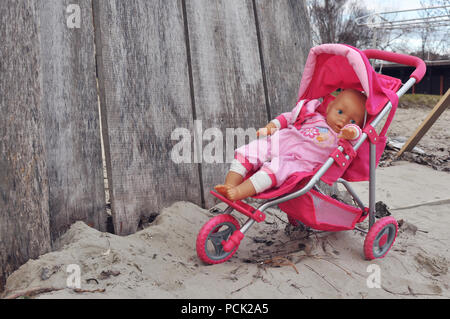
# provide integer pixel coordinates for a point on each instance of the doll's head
(348, 107)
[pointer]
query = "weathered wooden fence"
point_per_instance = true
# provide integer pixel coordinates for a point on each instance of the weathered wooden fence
(161, 65)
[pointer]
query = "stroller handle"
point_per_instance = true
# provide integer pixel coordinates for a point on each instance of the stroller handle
(420, 66)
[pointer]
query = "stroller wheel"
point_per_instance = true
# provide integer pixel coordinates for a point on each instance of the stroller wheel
(380, 238)
(209, 240)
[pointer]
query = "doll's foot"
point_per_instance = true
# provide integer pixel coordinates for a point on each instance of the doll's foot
(223, 189)
(244, 190)
(233, 194)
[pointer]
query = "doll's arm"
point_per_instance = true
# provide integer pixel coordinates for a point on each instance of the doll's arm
(284, 120)
(351, 132)
(280, 122)
(303, 108)
(269, 129)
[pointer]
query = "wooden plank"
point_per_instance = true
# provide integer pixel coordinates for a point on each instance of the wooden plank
(440, 107)
(285, 43)
(227, 78)
(24, 223)
(70, 110)
(145, 94)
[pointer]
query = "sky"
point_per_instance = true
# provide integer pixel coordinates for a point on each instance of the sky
(377, 6)
(391, 5)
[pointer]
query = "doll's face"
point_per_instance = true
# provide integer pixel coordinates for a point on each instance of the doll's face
(348, 107)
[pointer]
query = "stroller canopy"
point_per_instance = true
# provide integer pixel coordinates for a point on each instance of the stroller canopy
(339, 66)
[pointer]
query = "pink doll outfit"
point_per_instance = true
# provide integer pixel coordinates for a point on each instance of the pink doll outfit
(300, 144)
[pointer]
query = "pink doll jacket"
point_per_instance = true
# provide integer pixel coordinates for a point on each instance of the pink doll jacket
(303, 142)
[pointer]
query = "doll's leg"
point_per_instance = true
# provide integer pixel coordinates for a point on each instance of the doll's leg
(232, 180)
(248, 158)
(273, 173)
(244, 190)
(234, 177)
(257, 183)
(283, 167)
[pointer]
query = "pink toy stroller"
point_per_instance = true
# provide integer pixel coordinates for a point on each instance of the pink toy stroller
(329, 67)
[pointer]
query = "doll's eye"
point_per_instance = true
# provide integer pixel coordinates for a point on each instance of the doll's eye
(353, 121)
(340, 111)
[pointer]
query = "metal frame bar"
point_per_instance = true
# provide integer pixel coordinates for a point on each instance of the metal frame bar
(229, 210)
(401, 23)
(386, 110)
(352, 193)
(373, 166)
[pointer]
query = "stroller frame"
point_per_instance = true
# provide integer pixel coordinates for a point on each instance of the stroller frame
(381, 234)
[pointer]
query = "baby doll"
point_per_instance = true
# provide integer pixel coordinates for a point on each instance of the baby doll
(287, 146)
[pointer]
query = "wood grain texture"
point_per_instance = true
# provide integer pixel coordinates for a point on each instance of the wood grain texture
(24, 223)
(227, 77)
(70, 110)
(285, 43)
(144, 81)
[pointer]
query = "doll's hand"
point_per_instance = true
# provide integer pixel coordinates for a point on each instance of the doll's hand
(348, 133)
(268, 130)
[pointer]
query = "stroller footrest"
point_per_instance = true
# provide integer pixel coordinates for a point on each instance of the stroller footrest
(243, 208)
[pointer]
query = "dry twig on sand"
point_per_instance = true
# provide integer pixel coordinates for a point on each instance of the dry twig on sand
(80, 291)
(409, 293)
(333, 263)
(39, 290)
(31, 292)
(322, 276)
(255, 277)
(281, 261)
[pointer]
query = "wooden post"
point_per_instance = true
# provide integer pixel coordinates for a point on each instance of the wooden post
(70, 112)
(24, 220)
(440, 107)
(285, 41)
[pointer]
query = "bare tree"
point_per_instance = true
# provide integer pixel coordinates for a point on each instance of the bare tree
(391, 38)
(434, 37)
(333, 21)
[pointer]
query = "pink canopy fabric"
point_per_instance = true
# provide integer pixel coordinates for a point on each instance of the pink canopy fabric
(333, 66)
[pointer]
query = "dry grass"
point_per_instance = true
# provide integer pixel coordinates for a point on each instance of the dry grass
(419, 101)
